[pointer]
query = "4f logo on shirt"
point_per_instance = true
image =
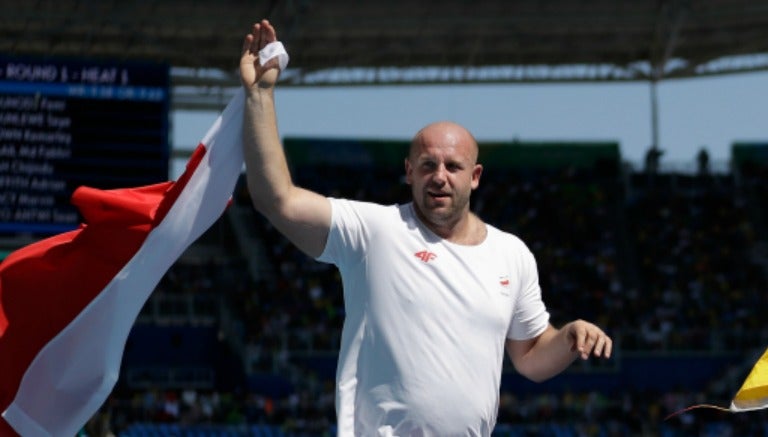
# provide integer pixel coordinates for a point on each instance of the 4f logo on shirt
(425, 256)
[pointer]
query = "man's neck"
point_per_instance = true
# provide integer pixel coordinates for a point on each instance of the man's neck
(469, 230)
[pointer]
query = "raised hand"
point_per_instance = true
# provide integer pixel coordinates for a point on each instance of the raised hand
(252, 73)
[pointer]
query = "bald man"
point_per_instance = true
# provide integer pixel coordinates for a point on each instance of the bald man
(433, 295)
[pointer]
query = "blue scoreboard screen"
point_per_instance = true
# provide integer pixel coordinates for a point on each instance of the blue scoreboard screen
(69, 123)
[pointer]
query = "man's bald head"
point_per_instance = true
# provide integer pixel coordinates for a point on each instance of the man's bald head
(446, 132)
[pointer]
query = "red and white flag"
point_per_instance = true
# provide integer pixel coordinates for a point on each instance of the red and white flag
(67, 303)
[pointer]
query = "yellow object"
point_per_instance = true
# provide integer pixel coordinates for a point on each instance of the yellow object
(753, 395)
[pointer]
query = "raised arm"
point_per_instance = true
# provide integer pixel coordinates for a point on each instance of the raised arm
(554, 350)
(303, 216)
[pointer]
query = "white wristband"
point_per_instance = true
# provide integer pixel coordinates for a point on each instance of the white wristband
(272, 50)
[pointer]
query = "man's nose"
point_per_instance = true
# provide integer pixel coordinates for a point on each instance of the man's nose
(439, 175)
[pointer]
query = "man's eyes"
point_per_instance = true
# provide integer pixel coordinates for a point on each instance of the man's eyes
(451, 167)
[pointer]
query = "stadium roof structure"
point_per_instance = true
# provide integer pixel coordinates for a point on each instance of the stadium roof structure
(369, 42)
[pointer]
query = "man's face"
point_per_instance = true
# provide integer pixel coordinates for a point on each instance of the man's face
(442, 170)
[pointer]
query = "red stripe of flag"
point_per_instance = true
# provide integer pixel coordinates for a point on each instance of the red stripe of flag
(47, 287)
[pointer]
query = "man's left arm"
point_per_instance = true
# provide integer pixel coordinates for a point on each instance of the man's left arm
(551, 352)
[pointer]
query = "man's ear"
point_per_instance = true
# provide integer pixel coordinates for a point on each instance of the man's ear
(476, 173)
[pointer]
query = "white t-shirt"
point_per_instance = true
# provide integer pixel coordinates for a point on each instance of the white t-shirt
(426, 321)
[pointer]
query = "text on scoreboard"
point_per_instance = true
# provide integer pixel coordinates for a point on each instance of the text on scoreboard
(67, 123)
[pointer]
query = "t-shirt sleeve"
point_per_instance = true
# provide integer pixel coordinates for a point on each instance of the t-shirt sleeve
(530, 316)
(347, 236)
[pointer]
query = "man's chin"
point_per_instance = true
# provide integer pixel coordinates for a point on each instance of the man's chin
(438, 214)
(436, 209)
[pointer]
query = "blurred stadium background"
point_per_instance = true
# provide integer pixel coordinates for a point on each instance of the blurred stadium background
(240, 337)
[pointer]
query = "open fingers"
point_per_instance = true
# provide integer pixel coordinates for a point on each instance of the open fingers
(603, 346)
(261, 34)
(251, 41)
(591, 340)
(247, 44)
(267, 34)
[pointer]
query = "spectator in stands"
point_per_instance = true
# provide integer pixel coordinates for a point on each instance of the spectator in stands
(432, 292)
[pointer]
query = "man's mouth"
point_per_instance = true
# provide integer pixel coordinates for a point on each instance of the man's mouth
(438, 195)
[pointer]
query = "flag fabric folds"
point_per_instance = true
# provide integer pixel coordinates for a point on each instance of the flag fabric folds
(67, 303)
(753, 394)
